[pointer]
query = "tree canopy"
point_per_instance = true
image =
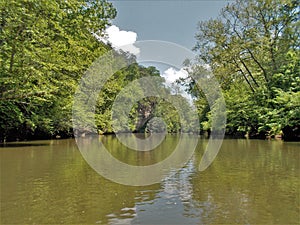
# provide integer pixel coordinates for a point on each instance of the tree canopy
(253, 50)
(45, 48)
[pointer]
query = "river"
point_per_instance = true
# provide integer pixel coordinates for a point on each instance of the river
(249, 182)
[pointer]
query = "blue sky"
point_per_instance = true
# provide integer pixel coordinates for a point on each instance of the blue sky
(171, 20)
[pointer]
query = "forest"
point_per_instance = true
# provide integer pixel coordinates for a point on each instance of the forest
(252, 48)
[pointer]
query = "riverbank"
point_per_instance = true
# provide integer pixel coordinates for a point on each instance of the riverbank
(290, 137)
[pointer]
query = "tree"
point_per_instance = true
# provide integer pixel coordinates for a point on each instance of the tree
(45, 48)
(250, 45)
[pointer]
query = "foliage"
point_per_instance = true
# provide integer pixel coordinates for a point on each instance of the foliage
(113, 87)
(45, 47)
(253, 50)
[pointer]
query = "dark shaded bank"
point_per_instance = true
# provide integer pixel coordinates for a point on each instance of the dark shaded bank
(14, 135)
(289, 134)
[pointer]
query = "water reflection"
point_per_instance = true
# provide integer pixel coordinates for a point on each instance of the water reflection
(116, 170)
(250, 182)
(17, 144)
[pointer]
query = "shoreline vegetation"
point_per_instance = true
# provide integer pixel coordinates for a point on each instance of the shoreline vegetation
(203, 135)
(252, 49)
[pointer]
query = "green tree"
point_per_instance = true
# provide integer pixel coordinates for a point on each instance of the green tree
(45, 48)
(253, 50)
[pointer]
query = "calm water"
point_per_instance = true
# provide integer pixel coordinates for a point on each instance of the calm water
(250, 182)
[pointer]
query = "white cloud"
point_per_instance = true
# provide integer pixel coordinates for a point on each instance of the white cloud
(171, 75)
(120, 39)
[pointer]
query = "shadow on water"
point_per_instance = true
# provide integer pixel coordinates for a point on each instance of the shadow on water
(14, 145)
